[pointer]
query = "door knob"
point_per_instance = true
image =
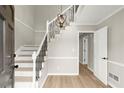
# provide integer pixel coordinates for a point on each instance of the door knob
(105, 58)
(16, 66)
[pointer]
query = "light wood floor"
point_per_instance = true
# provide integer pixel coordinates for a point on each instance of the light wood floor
(85, 79)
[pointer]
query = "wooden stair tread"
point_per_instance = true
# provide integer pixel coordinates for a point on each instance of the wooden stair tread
(30, 46)
(29, 50)
(25, 69)
(23, 79)
(23, 55)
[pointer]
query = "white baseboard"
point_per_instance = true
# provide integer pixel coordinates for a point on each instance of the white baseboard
(112, 85)
(63, 74)
(90, 69)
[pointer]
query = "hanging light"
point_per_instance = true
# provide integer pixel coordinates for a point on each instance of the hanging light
(60, 18)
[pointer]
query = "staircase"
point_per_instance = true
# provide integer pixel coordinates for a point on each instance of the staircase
(32, 60)
(23, 74)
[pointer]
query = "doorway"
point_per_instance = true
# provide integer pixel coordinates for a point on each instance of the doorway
(94, 56)
(86, 53)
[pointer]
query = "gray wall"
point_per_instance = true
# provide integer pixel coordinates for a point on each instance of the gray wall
(90, 51)
(84, 27)
(24, 25)
(80, 48)
(42, 14)
(38, 37)
(115, 36)
(115, 46)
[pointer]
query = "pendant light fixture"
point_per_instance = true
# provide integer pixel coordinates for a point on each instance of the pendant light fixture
(60, 18)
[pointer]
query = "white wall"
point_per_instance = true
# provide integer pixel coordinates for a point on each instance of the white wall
(118, 70)
(44, 13)
(63, 66)
(63, 54)
(24, 25)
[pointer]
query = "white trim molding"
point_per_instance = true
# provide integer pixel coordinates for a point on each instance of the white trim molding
(68, 74)
(18, 20)
(40, 31)
(113, 13)
(81, 24)
(118, 71)
(62, 57)
(102, 20)
(86, 31)
(116, 63)
(90, 69)
(112, 85)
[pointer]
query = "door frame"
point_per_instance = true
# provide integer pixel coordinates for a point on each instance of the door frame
(92, 70)
(93, 48)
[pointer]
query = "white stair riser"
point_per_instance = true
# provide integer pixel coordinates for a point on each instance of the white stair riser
(23, 58)
(23, 84)
(21, 65)
(24, 73)
(29, 48)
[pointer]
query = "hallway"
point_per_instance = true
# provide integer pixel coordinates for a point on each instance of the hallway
(86, 79)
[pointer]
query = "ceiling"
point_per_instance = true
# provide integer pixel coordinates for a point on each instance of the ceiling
(94, 14)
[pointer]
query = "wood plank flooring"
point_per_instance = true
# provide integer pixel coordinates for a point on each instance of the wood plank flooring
(85, 79)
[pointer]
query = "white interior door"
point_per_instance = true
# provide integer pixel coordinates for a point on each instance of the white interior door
(85, 50)
(100, 54)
